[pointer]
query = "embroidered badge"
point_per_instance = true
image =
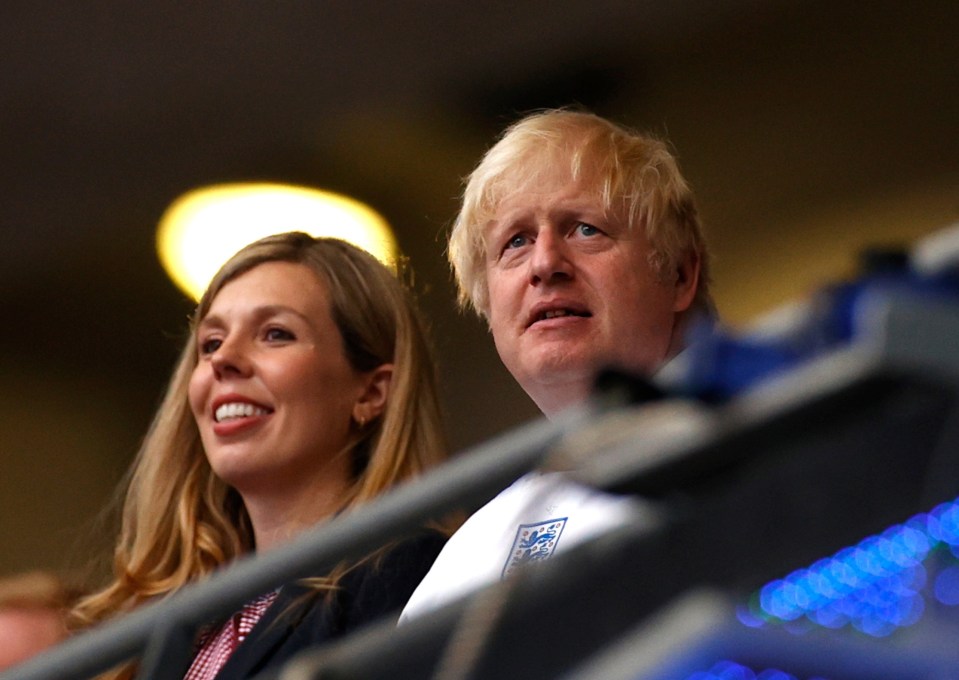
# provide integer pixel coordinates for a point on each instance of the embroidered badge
(533, 543)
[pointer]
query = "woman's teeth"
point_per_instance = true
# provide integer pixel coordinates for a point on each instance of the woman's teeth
(237, 410)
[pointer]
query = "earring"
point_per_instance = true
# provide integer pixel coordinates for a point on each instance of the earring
(361, 421)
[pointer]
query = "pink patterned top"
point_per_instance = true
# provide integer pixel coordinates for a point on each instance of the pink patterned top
(216, 645)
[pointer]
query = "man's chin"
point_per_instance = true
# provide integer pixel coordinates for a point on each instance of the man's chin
(554, 369)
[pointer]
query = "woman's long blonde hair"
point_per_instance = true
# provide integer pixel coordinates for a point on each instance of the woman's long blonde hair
(180, 522)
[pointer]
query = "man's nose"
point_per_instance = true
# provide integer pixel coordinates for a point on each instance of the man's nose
(550, 259)
(231, 358)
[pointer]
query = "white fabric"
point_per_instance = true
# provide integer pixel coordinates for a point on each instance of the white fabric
(531, 520)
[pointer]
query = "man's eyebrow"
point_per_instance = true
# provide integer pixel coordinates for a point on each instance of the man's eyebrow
(578, 209)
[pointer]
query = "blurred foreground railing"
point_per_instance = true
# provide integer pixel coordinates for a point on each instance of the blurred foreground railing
(163, 632)
(747, 491)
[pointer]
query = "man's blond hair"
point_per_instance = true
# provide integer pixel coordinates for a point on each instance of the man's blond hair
(633, 174)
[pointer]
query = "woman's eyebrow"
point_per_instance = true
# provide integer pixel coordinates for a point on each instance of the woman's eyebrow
(210, 321)
(257, 313)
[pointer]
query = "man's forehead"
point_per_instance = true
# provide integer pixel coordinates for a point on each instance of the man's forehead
(557, 190)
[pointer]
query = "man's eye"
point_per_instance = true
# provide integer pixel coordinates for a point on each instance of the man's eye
(278, 334)
(210, 346)
(586, 229)
(517, 241)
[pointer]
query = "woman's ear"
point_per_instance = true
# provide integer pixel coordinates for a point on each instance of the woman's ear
(687, 281)
(376, 392)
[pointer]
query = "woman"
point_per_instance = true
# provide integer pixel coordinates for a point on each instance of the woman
(305, 389)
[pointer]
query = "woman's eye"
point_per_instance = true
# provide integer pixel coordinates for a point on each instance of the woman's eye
(586, 229)
(278, 334)
(210, 345)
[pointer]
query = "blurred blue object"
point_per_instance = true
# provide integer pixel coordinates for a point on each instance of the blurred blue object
(875, 586)
(719, 364)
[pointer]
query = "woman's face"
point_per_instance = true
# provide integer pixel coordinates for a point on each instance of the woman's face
(273, 393)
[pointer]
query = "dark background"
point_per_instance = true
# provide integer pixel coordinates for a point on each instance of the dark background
(808, 129)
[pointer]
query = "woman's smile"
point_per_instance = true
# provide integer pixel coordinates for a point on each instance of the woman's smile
(273, 391)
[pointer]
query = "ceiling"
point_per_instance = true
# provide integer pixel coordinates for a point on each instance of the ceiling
(808, 129)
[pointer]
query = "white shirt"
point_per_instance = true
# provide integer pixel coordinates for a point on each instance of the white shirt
(537, 516)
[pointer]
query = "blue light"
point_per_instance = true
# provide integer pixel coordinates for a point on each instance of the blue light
(730, 670)
(948, 516)
(727, 670)
(748, 617)
(946, 586)
(829, 616)
(775, 675)
(873, 586)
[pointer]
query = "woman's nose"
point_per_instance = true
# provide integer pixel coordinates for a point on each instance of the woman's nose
(230, 359)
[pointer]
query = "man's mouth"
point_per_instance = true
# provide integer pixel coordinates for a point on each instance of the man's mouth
(557, 313)
(238, 409)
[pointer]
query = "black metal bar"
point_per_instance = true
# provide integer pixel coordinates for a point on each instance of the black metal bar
(167, 654)
(467, 481)
(751, 504)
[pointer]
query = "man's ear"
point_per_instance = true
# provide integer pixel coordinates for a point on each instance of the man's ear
(687, 281)
(372, 401)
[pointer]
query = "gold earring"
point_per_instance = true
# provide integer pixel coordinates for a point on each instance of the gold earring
(361, 421)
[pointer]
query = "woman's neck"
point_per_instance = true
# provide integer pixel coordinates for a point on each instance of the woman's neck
(279, 517)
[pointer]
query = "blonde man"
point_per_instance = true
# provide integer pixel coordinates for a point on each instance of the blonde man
(579, 243)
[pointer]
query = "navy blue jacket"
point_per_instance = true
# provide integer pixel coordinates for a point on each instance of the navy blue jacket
(300, 618)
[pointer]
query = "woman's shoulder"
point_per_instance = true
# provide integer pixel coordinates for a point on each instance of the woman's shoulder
(372, 590)
(408, 557)
(383, 585)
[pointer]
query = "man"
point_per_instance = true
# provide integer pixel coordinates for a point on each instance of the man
(579, 243)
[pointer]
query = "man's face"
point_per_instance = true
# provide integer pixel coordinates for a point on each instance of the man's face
(571, 290)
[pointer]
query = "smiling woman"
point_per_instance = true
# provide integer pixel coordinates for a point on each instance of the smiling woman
(276, 399)
(305, 389)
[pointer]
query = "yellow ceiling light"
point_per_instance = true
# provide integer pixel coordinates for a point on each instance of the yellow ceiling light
(204, 228)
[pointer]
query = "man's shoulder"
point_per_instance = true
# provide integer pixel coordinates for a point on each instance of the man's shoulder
(526, 522)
